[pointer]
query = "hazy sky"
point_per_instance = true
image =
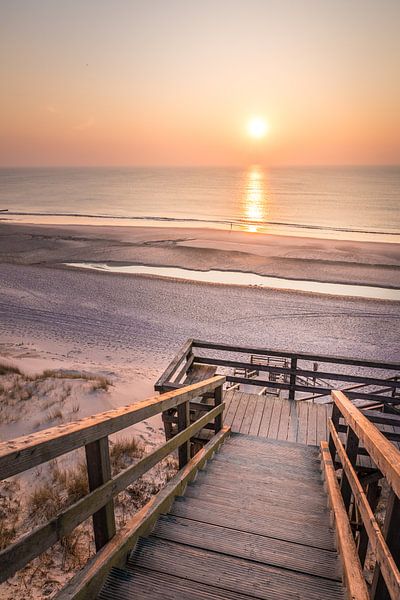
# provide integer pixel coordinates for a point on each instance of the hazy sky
(171, 82)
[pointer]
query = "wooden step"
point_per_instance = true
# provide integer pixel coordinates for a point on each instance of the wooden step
(277, 509)
(265, 550)
(309, 497)
(144, 584)
(319, 536)
(230, 573)
(253, 476)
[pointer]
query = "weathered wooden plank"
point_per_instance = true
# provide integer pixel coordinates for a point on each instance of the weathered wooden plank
(29, 451)
(284, 420)
(312, 425)
(303, 423)
(43, 537)
(270, 551)
(384, 454)
(231, 412)
(86, 584)
(241, 409)
(384, 558)
(293, 424)
(275, 419)
(258, 415)
(321, 423)
(266, 417)
(227, 572)
(353, 575)
(249, 414)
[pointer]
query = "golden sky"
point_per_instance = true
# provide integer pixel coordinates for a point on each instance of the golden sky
(173, 82)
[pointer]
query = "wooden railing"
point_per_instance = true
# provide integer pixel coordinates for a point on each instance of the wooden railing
(21, 454)
(381, 387)
(354, 499)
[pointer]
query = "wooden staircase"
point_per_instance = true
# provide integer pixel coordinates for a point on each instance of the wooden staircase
(254, 524)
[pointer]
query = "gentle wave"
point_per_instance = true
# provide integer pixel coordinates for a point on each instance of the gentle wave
(237, 223)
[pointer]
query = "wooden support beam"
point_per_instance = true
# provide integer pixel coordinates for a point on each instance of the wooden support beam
(372, 493)
(218, 393)
(391, 533)
(351, 451)
(183, 423)
(356, 588)
(99, 472)
(335, 421)
(383, 555)
(293, 367)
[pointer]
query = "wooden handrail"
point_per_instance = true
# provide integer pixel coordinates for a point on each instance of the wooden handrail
(352, 571)
(383, 453)
(299, 355)
(29, 451)
(92, 433)
(363, 437)
(35, 542)
(391, 383)
(86, 584)
(384, 558)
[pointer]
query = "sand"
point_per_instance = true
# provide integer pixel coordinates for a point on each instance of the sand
(365, 263)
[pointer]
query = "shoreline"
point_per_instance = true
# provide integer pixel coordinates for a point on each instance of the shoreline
(373, 264)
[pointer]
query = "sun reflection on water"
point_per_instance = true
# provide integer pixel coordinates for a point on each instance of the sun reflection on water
(255, 200)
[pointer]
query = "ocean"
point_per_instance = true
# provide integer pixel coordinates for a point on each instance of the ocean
(354, 203)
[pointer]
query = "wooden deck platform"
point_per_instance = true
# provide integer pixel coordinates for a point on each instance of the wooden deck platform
(276, 418)
(254, 524)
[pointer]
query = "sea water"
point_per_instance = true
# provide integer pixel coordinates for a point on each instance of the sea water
(354, 203)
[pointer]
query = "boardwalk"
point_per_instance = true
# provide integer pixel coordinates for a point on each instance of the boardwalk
(240, 531)
(276, 418)
(245, 515)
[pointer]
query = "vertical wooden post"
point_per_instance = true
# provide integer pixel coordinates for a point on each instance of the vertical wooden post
(183, 423)
(372, 497)
(391, 529)
(293, 367)
(335, 420)
(218, 393)
(99, 471)
(351, 451)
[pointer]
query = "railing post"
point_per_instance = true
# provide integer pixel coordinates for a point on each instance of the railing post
(372, 494)
(99, 471)
(351, 451)
(218, 395)
(391, 528)
(183, 423)
(293, 367)
(335, 420)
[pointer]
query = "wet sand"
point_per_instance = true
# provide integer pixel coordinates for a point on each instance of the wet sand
(364, 263)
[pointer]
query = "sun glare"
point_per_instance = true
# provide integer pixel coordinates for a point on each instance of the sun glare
(257, 127)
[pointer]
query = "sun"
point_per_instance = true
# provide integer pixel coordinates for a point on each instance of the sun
(257, 127)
